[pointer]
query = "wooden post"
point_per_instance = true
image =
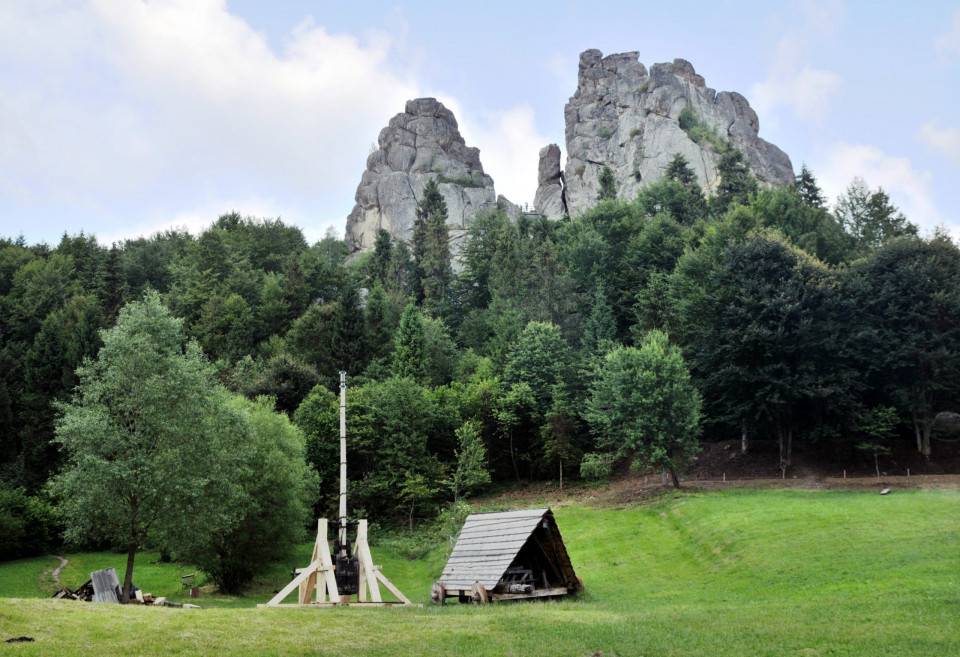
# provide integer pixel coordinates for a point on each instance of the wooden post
(343, 459)
(367, 572)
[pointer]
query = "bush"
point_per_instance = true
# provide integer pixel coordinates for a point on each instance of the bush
(700, 133)
(596, 467)
(28, 525)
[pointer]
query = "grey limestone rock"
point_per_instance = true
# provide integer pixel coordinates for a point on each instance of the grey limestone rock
(627, 118)
(419, 144)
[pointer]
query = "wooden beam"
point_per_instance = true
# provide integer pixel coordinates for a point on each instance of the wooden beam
(393, 589)
(294, 583)
(366, 562)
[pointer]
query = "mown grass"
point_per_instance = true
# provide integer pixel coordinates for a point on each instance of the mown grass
(736, 573)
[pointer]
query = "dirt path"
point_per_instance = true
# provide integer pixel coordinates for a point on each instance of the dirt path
(56, 571)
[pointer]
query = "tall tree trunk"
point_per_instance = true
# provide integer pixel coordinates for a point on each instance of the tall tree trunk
(927, 428)
(744, 444)
(783, 465)
(128, 576)
(561, 474)
(876, 463)
(789, 445)
(513, 459)
(917, 432)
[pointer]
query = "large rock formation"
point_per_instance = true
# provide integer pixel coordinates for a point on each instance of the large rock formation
(418, 145)
(623, 117)
(549, 199)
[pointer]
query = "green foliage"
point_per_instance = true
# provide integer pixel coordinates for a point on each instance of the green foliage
(736, 182)
(28, 524)
(541, 360)
(601, 327)
(679, 171)
(596, 467)
(147, 440)
(643, 405)
(869, 217)
(278, 489)
(906, 303)
(431, 251)
(470, 473)
(701, 133)
(608, 185)
(808, 189)
(409, 345)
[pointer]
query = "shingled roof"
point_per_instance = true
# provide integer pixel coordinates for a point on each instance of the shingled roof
(490, 543)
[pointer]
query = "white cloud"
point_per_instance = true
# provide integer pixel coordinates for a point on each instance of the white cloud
(948, 43)
(910, 189)
(509, 145)
(197, 219)
(155, 111)
(942, 139)
(791, 81)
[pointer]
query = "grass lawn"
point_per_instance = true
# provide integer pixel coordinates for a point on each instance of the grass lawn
(739, 573)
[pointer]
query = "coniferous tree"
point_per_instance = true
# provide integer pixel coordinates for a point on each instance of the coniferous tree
(431, 251)
(601, 326)
(409, 345)
(382, 255)
(809, 190)
(680, 171)
(736, 181)
(471, 472)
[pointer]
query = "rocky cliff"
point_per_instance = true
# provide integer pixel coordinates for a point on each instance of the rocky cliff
(421, 143)
(621, 116)
(629, 119)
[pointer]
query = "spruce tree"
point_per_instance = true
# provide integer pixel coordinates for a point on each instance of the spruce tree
(680, 171)
(431, 251)
(382, 255)
(809, 190)
(601, 327)
(409, 345)
(736, 181)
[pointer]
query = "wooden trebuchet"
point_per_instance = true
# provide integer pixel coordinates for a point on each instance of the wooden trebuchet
(317, 583)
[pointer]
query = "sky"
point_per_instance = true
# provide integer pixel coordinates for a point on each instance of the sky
(122, 118)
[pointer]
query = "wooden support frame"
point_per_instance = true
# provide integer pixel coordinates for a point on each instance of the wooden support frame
(317, 585)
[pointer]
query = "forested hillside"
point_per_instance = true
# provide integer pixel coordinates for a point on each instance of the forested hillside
(757, 313)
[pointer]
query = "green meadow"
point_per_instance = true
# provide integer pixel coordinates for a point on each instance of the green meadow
(738, 573)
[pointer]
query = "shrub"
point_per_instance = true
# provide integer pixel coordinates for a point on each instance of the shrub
(596, 467)
(700, 133)
(28, 525)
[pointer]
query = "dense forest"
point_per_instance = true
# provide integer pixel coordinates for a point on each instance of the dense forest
(538, 350)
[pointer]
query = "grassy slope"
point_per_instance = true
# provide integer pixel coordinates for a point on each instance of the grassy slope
(735, 573)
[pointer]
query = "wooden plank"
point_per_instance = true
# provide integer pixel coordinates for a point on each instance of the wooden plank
(323, 551)
(537, 593)
(507, 514)
(294, 583)
(106, 584)
(390, 587)
(366, 561)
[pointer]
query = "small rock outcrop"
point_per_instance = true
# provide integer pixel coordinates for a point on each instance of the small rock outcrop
(420, 144)
(549, 199)
(626, 118)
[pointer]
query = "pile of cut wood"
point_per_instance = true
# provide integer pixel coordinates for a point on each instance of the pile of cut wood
(104, 586)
